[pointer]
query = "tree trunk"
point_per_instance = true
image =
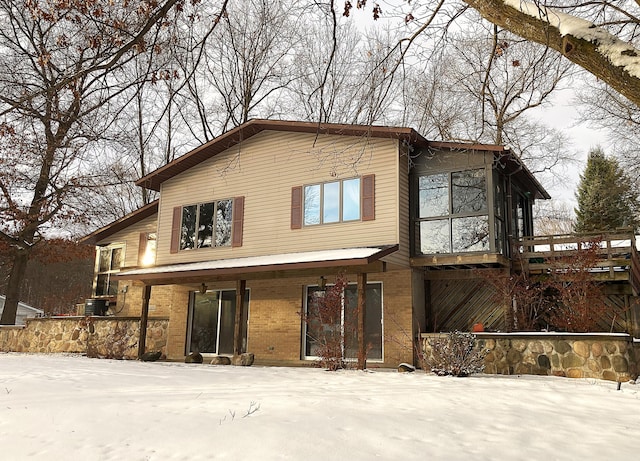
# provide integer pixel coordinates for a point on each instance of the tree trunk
(586, 54)
(18, 269)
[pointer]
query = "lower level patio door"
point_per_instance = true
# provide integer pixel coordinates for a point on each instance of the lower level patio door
(212, 322)
(321, 329)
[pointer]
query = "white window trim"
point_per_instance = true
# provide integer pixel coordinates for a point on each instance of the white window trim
(109, 272)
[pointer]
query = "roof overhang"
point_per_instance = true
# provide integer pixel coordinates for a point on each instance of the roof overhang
(243, 132)
(364, 259)
(121, 224)
(507, 160)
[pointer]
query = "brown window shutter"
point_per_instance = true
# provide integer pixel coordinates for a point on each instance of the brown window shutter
(369, 197)
(296, 207)
(238, 220)
(142, 246)
(175, 229)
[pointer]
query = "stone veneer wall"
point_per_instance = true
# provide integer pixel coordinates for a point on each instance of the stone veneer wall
(614, 357)
(111, 337)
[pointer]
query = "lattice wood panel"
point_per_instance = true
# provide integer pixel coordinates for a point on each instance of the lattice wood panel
(618, 316)
(459, 304)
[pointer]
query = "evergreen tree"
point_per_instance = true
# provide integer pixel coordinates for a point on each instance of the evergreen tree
(607, 199)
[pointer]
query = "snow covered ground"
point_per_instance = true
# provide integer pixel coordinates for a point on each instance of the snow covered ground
(55, 407)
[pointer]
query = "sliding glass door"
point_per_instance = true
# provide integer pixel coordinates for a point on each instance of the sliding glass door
(212, 322)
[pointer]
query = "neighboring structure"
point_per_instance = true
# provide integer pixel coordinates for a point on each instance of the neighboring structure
(24, 311)
(275, 209)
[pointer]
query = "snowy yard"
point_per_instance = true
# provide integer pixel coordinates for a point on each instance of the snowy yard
(59, 408)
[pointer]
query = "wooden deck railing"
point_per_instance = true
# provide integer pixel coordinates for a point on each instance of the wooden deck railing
(617, 255)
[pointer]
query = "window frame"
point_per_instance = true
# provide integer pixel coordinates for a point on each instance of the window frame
(451, 217)
(214, 225)
(109, 283)
(322, 186)
(219, 311)
(308, 289)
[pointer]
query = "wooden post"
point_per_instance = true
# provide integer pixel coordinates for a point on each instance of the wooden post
(144, 318)
(241, 286)
(362, 302)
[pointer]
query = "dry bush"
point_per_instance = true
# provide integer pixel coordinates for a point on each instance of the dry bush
(566, 297)
(455, 355)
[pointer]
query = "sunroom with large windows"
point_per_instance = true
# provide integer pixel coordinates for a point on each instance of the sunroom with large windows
(452, 212)
(468, 205)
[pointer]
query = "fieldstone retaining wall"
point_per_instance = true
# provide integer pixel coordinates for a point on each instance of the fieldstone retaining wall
(613, 357)
(108, 337)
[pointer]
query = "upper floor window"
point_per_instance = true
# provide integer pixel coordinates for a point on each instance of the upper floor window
(344, 200)
(206, 225)
(453, 213)
(332, 202)
(212, 224)
(109, 261)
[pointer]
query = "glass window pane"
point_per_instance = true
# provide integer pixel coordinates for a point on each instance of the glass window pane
(223, 222)
(500, 238)
(102, 285)
(105, 260)
(434, 195)
(351, 199)
(204, 323)
(205, 225)
(470, 234)
(313, 339)
(468, 191)
(373, 321)
(112, 289)
(188, 228)
(312, 205)
(227, 321)
(331, 202)
(116, 258)
(434, 237)
(499, 199)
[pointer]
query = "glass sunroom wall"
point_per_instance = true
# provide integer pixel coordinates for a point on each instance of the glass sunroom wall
(453, 213)
(500, 213)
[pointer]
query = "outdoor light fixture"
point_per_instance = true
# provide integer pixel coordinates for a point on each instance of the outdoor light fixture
(323, 282)
(203, 288)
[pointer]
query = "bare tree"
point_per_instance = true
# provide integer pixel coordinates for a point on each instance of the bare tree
(482, 87)
(598, 35)
(62, 66)
(238, 70)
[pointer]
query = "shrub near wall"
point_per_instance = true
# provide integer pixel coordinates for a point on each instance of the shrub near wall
(612, 357)
(110, 337)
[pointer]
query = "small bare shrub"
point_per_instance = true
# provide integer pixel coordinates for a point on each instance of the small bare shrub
(455, 355)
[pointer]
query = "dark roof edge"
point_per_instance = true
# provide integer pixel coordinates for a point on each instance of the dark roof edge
(136, 216)
(235, 136)
(540, 193)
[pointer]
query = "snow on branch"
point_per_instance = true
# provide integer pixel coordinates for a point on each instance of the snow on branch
(601, 53)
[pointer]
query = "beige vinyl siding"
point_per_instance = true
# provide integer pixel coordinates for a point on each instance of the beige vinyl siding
(131, 238)
(263, 169)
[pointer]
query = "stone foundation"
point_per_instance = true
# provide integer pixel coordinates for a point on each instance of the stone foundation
(613, 357)
(110, 337)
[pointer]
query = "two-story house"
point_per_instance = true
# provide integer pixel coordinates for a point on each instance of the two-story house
(274, 210)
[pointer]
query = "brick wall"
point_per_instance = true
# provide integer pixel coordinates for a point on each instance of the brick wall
(275, 324)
